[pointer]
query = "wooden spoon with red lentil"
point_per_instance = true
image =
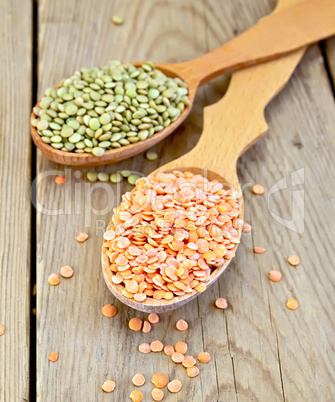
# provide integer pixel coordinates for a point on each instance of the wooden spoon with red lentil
(176, 232)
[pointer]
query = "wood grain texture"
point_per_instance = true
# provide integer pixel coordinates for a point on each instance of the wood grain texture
(15, 209)
(301, 25)
(260, 350)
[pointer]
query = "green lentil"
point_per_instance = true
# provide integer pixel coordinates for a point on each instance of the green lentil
(117, 20)
(132, 179)
(92, 176)
(103, 176)
(96, 109)
(116, 178)
(151, 156)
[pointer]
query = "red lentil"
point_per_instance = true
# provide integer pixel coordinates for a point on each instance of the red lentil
(169, 233)
(204, 357)
(153, 318)
(108, 386)
(221, 303)
(109, 310)
(2, 330)
(54, 279)
(259, 250)
(156, 346)
(174, 386)
(159, 380)
(181, 347)
(293, 260)
(59, 179)
(169, 350)
(181, 325)
(292, 304)
(66, 271)
(192, 371)
(146, 327)
(138, 380)
(53, 357)
(178, 357)
(157, 394)
(275, 276)
(136, 396)
(189, 361)
(82, 237)
(144, 348)
(135, 324)
(258, 189)
(246, 228)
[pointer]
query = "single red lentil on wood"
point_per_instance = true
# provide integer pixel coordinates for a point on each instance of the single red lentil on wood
(169, 233)
(53, 357)
(108, 386)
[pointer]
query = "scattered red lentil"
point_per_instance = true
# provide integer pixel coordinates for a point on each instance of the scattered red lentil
(169, 233)
(169, 350)
(174, 386)
(259, 250)
(135, 324)
(178, 357)
(189, 361)
(181, 325)
(53, 357)
(292, 304)
(66, 271)
(54, 279)
(138, 380)
(82, 237)
(221, 303)
(144, 348)
(59, 179)
(136, 395)
(258, 189)
(181, 347)
(2, 330)
(246, 228)
(204, 357)
(109, 310)
(293, 260)
(146, 327)
(275, 276)
(192, 371)
(159, 380)
(153, 318)
(156, 346)
(157, 394)
(108, 386)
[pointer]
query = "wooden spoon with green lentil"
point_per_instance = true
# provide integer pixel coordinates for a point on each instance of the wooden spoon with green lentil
(103, 115)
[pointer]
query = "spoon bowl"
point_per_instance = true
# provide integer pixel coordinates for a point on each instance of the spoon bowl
(282, 32)
(150, 305)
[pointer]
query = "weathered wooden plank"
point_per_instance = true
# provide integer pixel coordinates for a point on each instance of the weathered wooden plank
(260, 350)
(69, 317)
(15, 206)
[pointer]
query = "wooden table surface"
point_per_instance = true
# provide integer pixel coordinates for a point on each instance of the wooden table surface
(260, 350)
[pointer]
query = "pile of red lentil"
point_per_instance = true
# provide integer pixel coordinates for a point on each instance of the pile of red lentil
(169, 233)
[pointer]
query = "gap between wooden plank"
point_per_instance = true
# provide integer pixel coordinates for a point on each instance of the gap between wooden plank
(33, 338)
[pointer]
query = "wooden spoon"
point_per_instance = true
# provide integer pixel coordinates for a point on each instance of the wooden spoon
(302, 24)
(231, 126)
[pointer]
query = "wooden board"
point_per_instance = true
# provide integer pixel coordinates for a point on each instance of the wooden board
(15, 209)
(260, 350)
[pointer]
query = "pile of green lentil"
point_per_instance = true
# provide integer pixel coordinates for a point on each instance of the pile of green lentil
(105, 108)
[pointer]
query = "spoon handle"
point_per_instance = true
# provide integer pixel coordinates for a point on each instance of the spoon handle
(282, 32)
(237, 121)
